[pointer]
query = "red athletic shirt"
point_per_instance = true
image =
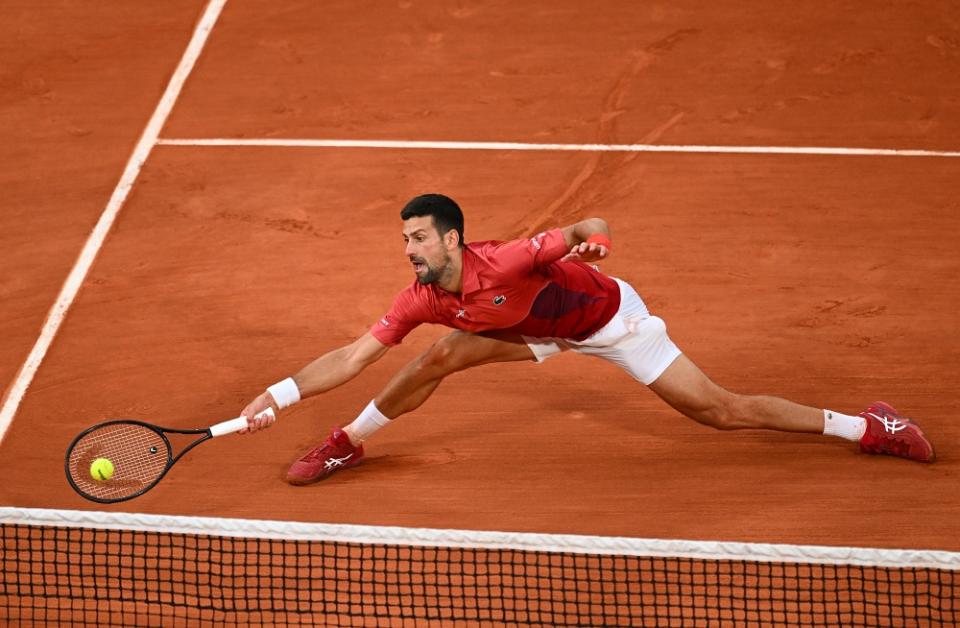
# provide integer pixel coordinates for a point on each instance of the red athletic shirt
(520, 286)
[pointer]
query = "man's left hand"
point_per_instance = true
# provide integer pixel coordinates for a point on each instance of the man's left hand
(586, 252)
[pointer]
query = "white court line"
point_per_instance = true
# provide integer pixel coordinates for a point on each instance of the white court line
(613, 148)
(89, 252)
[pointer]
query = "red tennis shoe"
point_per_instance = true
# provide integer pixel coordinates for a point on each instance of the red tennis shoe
(894, 435)
(333, 454)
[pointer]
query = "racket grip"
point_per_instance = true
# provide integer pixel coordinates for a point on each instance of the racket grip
(234, 425)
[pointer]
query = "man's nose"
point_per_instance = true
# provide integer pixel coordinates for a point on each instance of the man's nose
(409, 250)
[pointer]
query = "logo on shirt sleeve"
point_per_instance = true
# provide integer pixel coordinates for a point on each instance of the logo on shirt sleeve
(385, 321)
(499, 299)
(535, 240)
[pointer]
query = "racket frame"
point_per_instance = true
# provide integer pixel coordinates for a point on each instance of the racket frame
(161, 431)
(219, 429)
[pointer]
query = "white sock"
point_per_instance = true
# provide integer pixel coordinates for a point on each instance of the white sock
(366, 423)
(843, 425)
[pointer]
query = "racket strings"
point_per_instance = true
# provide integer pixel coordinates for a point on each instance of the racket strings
(139, 456)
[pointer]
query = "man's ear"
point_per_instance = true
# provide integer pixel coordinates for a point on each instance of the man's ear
(451, 239)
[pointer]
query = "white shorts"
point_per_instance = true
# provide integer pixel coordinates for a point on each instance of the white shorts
(633, 340)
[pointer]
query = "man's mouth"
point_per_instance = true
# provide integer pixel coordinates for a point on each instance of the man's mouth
(418, 266)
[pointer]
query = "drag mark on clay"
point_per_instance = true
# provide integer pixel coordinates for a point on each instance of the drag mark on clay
(586, 186)
(839, 312)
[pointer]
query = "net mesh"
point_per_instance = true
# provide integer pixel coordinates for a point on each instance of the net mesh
(57, 574)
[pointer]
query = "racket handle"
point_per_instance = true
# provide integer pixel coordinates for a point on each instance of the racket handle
(234, 425)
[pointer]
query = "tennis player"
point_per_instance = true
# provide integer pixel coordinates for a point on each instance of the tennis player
(531, 299)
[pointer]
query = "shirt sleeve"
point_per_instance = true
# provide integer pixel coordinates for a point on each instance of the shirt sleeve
(536, 252)
(404, 316)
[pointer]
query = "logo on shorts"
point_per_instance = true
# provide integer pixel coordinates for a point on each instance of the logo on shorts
(461, 313)
(499, 299)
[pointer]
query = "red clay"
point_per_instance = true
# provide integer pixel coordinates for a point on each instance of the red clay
(77, 86)
(830, 281)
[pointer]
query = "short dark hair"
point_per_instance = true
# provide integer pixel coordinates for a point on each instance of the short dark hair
(445, 212)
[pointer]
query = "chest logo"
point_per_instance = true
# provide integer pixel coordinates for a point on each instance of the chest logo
(499, 299)
(461, 313)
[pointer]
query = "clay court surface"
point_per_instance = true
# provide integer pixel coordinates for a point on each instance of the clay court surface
(832, 280)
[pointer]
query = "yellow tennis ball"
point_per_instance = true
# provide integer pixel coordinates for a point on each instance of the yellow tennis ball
(101, 469)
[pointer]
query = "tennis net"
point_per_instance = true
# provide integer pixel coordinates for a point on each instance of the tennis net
(113, 569)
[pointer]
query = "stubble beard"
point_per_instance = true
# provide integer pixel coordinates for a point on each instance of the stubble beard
(433, 275)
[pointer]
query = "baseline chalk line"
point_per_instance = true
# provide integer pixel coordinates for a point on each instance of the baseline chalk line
(521, 146)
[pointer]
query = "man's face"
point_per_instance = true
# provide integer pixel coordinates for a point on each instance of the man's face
(425, 249)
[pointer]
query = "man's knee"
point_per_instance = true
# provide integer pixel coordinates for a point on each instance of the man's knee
(462, 350)
(442, 357)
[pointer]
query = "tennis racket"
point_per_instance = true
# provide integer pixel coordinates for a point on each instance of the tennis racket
(141, 455)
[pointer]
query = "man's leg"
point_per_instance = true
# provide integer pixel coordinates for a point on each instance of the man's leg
(879, 429)
(408, 389)
(416, 381)
(685, 387)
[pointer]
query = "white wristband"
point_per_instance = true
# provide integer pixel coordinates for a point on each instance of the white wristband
(285, 393)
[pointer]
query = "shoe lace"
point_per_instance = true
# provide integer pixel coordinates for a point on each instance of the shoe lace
(317, 453)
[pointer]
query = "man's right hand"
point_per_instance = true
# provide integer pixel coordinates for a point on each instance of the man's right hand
(254, 412)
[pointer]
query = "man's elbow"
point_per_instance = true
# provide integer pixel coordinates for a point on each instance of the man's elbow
(597, 225)
(355, 363)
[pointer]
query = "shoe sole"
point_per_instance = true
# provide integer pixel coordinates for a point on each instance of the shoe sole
(324, 476)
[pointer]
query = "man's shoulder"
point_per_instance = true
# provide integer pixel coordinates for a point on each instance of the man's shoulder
(482, 246)
(417, 292)
(491, 248)
(521, 247)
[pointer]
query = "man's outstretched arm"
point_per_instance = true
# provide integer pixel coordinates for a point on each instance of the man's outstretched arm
(325, 373)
